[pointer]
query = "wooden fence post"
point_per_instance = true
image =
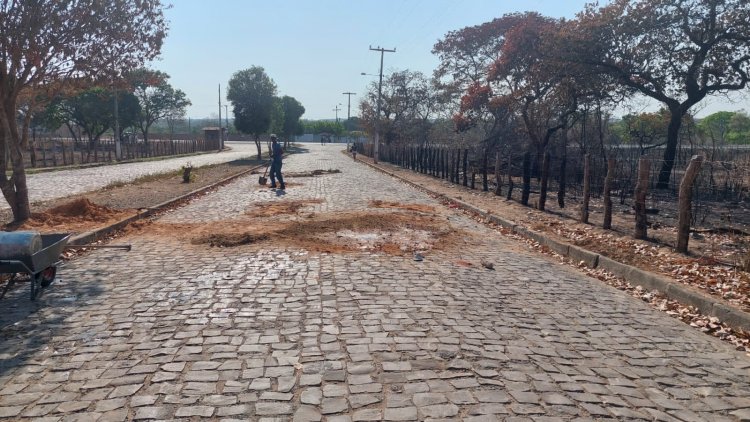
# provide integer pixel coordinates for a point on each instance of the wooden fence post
(684, 209)
(641, 188)
(526, 189)
(586, 188)
(608, 193)
(498, 176)
(562, 182)
(457, 169)
(466, 167)
(485, 186)
(509, 196)
(544, 182)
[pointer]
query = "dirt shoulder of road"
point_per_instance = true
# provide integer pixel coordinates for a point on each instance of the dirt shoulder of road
(96, 209)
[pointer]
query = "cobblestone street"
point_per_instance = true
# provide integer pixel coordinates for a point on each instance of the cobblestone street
(178, 330)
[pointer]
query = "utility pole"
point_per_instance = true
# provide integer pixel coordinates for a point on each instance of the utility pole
(376, 153)
(221, 132)
(337, 112)
(349, 105)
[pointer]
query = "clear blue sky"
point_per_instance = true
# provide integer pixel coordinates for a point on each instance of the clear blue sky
(316, 49)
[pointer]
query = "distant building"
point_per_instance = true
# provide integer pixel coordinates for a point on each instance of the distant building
(215, 134)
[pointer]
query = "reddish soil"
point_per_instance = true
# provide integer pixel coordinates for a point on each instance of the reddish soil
(77, 215)
(271, 208)
(397, 205)
(397, 233)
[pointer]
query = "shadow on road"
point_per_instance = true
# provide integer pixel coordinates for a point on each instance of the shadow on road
(28, 327)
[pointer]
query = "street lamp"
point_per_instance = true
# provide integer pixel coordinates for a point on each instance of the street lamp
(337, 112)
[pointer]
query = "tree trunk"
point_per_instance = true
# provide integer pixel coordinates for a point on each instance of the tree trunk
(685, 203)
(641, 190)
(608, 194)
(14, 189)
(526, 179)
(498, 176)
(673, 135)
(258, 146)
(545, 180)
(32, 148)
(586, 188)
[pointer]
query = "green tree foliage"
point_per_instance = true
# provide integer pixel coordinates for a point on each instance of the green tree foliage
(716, 127)
(157, 98)
(47, 45)
(739, 128)
(252, 94)
(277, 117)
(92, 111)
(725, 127)
(293, 111)
(323, 126)
(647, 130)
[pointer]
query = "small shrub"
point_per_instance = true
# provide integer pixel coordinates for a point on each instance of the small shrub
(187, 175)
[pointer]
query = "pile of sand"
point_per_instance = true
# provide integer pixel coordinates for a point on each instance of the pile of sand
(78, 214)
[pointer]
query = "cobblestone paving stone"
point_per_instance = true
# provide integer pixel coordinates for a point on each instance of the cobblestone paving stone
(44, 186)
(173, 330)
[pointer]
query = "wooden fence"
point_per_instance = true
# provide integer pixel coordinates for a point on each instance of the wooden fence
(54, 152)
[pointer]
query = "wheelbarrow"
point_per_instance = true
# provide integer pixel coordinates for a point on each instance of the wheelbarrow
(39, 266)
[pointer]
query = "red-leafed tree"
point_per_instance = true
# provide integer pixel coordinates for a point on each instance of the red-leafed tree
(677, 52)
(530, 83)
(48, 43)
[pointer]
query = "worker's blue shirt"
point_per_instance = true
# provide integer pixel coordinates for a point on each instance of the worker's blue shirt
(277, 152)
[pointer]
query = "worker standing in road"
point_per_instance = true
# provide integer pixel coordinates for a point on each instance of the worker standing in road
(277, 153)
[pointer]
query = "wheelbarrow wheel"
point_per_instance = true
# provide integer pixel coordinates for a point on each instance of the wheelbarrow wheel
(35, 287)
(47, 276)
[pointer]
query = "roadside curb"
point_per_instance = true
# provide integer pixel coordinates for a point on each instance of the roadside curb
(94, 235)
(707, 305)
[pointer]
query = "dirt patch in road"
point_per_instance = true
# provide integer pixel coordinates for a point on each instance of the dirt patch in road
(271, 208)
(397, 233)
(397, 205)
(312, 173)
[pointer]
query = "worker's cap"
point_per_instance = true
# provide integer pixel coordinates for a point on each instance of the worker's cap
(273, 136)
